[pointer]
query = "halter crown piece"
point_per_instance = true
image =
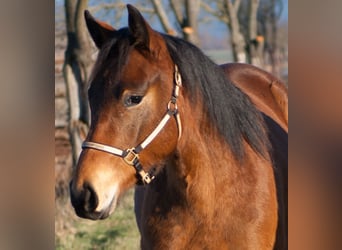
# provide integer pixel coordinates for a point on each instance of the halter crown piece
(131, 155)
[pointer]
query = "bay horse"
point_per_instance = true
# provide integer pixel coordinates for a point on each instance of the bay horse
(207, 155)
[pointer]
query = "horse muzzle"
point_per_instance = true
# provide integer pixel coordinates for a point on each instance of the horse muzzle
(85, 202)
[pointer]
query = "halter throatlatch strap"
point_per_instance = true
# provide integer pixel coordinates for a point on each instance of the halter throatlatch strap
(131, 156)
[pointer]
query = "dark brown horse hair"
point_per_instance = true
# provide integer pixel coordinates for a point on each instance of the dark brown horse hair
(228, 108)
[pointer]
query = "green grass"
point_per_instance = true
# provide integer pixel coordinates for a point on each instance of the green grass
(119, 231)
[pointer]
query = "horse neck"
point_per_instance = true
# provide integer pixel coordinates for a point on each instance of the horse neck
(199, 163)
(201, 144)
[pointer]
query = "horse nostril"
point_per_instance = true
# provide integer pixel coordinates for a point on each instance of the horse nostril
(90, 198)
(84, 200)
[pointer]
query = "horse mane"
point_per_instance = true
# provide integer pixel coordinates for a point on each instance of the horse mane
(228, 108)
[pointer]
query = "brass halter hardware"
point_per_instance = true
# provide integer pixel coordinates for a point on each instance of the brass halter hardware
(131, 156)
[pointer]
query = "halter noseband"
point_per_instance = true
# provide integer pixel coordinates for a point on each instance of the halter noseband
(131, 156)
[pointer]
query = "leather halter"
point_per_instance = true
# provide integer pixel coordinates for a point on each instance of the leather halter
(131, 155)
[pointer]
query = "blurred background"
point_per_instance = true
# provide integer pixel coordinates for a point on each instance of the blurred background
(248, 31)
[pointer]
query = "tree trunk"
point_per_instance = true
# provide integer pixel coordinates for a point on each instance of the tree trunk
(177, 10)
(273, 46)
(190, 27)
(256, 43)
(237, 39)
(187, 20)
(163, 17)
(76, 70)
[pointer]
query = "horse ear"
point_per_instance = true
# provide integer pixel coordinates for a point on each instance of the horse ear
(138, 27)
(99, 31)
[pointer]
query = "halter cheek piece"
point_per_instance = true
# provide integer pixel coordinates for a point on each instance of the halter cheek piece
(131, 156)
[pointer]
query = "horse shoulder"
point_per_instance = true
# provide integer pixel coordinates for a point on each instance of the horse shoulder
(267, 92)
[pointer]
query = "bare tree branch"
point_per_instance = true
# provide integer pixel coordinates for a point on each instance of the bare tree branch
(163, 17)
(176, 7)
(118, 5)
(218, 13)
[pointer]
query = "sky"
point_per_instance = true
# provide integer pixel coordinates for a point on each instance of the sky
(210, 29)
(284, 15)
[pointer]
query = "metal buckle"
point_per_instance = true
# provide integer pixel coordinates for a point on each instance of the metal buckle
(131, 157)
(146, 178)
(172, 106)
(178, 77)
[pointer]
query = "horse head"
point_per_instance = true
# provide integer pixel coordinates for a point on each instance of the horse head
(132, 95)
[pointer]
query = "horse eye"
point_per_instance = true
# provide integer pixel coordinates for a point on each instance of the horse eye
(133, 100)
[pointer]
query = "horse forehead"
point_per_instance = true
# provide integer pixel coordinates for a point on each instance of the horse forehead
(138, 67)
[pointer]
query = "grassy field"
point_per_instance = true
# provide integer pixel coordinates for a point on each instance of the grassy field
(119, 231)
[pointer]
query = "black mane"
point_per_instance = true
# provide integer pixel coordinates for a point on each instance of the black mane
(230, 110)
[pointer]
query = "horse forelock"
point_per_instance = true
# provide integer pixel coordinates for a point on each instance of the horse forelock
(113, 56)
